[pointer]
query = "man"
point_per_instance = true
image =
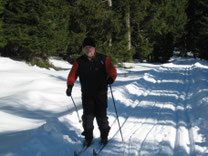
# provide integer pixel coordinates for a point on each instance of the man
(95, 72)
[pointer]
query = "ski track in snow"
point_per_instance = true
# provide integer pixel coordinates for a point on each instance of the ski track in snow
(184, 141)
(158, 105)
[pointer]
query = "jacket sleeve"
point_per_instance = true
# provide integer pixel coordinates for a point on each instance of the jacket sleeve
(72, 74)
(110, 69)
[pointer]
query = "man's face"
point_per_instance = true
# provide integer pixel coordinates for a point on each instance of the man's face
(89, 51)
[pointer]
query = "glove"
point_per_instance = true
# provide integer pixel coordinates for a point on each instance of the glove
(110, 80)
(69, 90)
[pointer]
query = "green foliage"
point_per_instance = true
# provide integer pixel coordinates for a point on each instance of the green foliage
(140, 37)
(38, 27)
(145, 47)
(118, 52)
(42, 63)
(2, 37)
(156, 26)
(95, 19)
(88, 18)
(197, 28)
(162, 27)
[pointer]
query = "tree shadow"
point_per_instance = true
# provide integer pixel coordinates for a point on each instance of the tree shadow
(52, 138)
(164, 87)
(164, 90)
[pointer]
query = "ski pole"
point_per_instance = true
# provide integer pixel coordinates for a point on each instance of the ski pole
(116, 114)
(76, 110)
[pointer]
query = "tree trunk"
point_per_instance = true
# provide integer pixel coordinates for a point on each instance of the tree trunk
(128, 25)
(110, 7)
(110, 3)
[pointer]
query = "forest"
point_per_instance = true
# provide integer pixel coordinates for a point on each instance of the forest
(124, 30)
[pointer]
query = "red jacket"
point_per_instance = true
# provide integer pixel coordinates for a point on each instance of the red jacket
(92, 73)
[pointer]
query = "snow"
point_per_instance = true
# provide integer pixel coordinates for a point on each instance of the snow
(162, 110)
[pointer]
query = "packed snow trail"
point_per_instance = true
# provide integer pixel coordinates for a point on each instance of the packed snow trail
(159, 123)
(162, 110)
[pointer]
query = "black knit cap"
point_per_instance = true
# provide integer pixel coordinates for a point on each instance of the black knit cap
(89, 41)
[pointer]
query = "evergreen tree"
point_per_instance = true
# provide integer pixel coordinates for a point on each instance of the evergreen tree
(122, 38)
(88, 18)
(140, 38)
(164, 25)
(96, 19)
(190, 32)
(155, 26)
(51, 27)
(197, 28)
(36, 28)
(2, 38)
(174, 19)
(202, 29)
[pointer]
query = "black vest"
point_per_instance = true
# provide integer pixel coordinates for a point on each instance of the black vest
(92, 75)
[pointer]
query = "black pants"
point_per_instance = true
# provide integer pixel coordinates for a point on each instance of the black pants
(95, 107)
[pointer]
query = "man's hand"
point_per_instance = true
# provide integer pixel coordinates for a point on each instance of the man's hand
(110, 80)
(69, 90)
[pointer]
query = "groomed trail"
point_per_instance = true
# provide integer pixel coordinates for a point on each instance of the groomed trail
(157, 119)
(162, 109)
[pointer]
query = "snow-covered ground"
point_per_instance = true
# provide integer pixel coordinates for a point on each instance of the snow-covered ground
(162, 110)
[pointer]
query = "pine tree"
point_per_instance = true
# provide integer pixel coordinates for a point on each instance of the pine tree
(139, 19)
(202, 32)
(122, 34)
(201, 28)
(175, 18)
(197, 28)
(36, 28)
(2, 38)
(190, 30)
(96, 19)
(88, 18)
(164, 25)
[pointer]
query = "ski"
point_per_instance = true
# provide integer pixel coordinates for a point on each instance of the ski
(99, 150)
(83, 149)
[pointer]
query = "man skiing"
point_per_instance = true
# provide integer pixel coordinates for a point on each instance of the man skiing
(95, 72)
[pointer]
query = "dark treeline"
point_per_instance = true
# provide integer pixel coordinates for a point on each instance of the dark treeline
(33, 30)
